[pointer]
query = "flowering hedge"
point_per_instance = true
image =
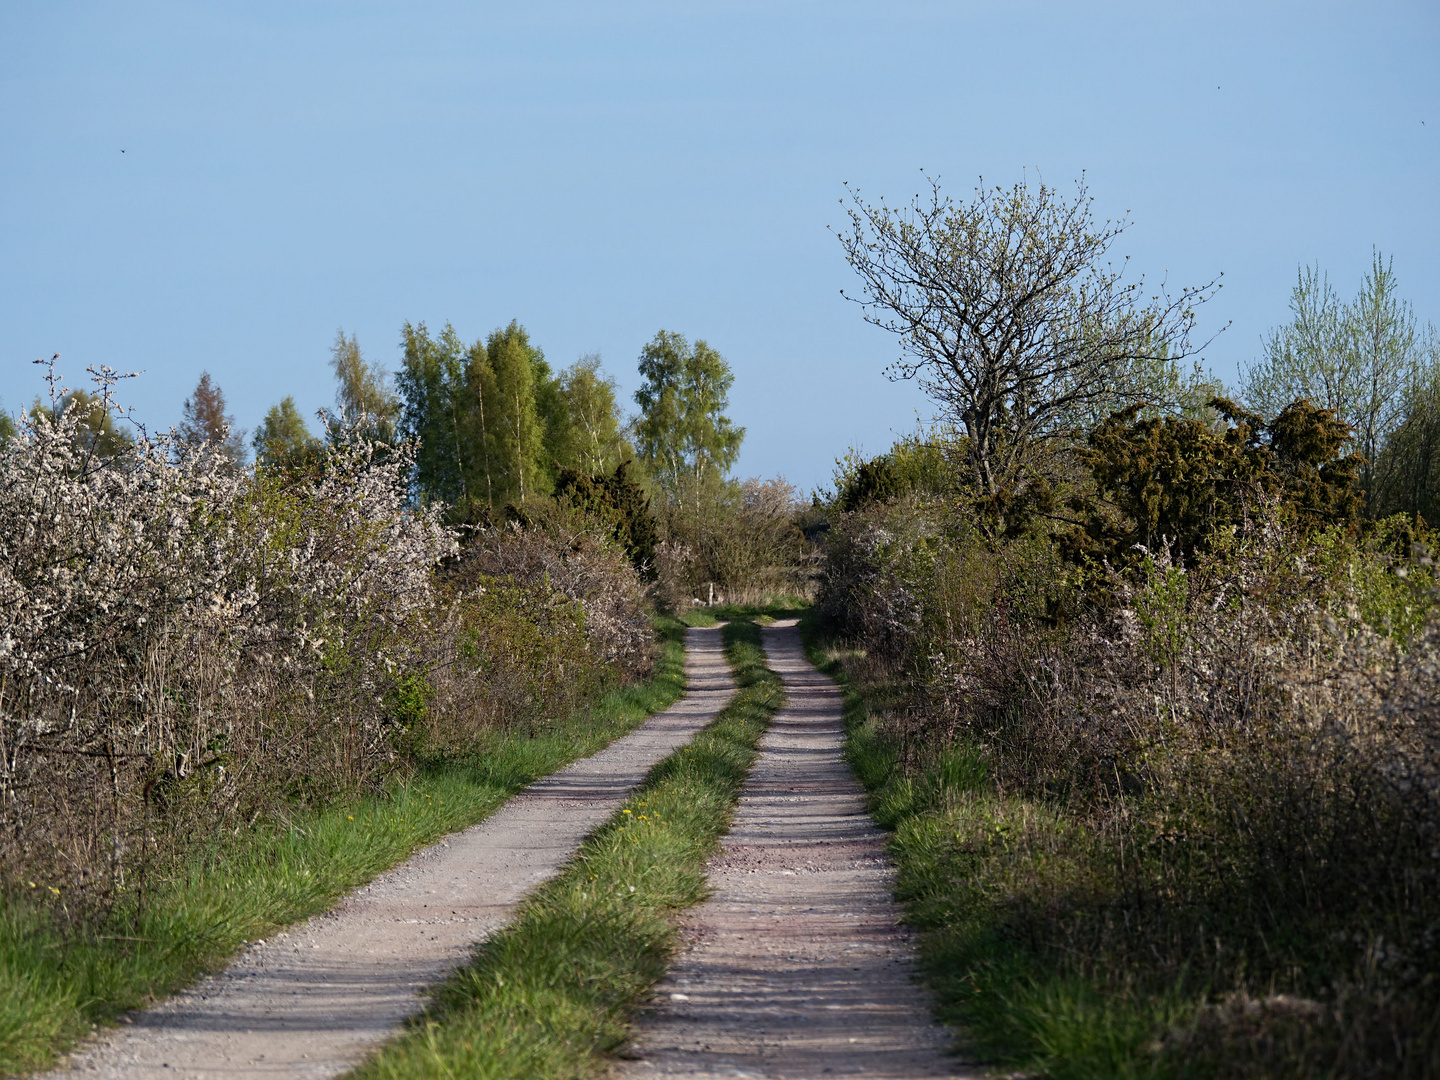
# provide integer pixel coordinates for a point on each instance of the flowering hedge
(186, 648)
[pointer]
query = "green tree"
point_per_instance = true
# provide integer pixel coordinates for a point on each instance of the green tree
(683, 436)
(283, 440)
(7, 426)
(1407, 473)
(474, 412)
(591, 439)
(363, 400)
(1355, 359)
(437, 412)
(516, 429)
(1013, 321)
(203, 420)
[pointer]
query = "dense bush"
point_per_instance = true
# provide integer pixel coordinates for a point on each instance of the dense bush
(740, 542)
(534, 619)
(1230, 748)
(186, 649)
(618, 500)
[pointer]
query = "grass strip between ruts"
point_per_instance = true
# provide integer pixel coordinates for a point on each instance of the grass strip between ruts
(553, 993)
(55, 986)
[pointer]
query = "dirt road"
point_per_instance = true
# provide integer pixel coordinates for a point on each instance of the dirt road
(311, 1002)
(797, 967)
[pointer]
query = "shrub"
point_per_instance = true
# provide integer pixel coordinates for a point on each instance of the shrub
(181, 644)
(1182, 482)
(1242, 737)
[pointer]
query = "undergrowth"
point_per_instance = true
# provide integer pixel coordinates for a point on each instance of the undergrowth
(1066, 952)
(60, 977)
(553, 993)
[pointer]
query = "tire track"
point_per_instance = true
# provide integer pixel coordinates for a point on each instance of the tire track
(797, 967)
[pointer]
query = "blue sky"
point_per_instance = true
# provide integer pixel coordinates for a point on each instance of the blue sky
(600, 172)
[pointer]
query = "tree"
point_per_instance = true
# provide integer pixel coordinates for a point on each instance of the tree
(473, 410)
(282, 440)
(437, 392)
(1010, 320)
(516, 429)
(1407, 471)
(7, 427)
(204, 421)
(682, 434)
(363, 401)
(590, 440)
(1354, 359)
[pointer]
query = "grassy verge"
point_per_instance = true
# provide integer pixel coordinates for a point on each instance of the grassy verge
(58, 982)
(984, 878)
(552, 994)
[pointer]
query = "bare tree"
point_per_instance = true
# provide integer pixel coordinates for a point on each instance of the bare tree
(1010, 320)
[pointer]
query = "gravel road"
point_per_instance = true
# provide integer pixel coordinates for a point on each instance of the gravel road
(311, 1002)
(797, 967)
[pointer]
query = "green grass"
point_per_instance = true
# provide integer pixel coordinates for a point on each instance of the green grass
(553, 993)
(983, 877)
(57, 984)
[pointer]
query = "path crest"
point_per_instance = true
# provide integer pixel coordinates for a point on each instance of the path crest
(312, 1001)
(797, 967)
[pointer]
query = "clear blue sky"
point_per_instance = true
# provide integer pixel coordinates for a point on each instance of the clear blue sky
(601, 171)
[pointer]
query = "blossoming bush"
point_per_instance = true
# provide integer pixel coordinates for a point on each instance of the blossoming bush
(187, 649)
(181, 645)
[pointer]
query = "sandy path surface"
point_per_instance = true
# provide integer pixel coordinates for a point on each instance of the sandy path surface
(311, 1002)
(797, 966)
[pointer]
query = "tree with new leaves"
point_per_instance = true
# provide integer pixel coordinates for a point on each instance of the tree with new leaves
(1011, 319)
(363, 398)
(1407, 470)
(517, 432)
(283, 440)
(683, 436)
(475, 413)
(442, 390)
(591, 439)
(203, 421)
(1355, 359)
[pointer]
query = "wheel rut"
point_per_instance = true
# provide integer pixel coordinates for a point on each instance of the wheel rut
(797, 966)
(312, 1001)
